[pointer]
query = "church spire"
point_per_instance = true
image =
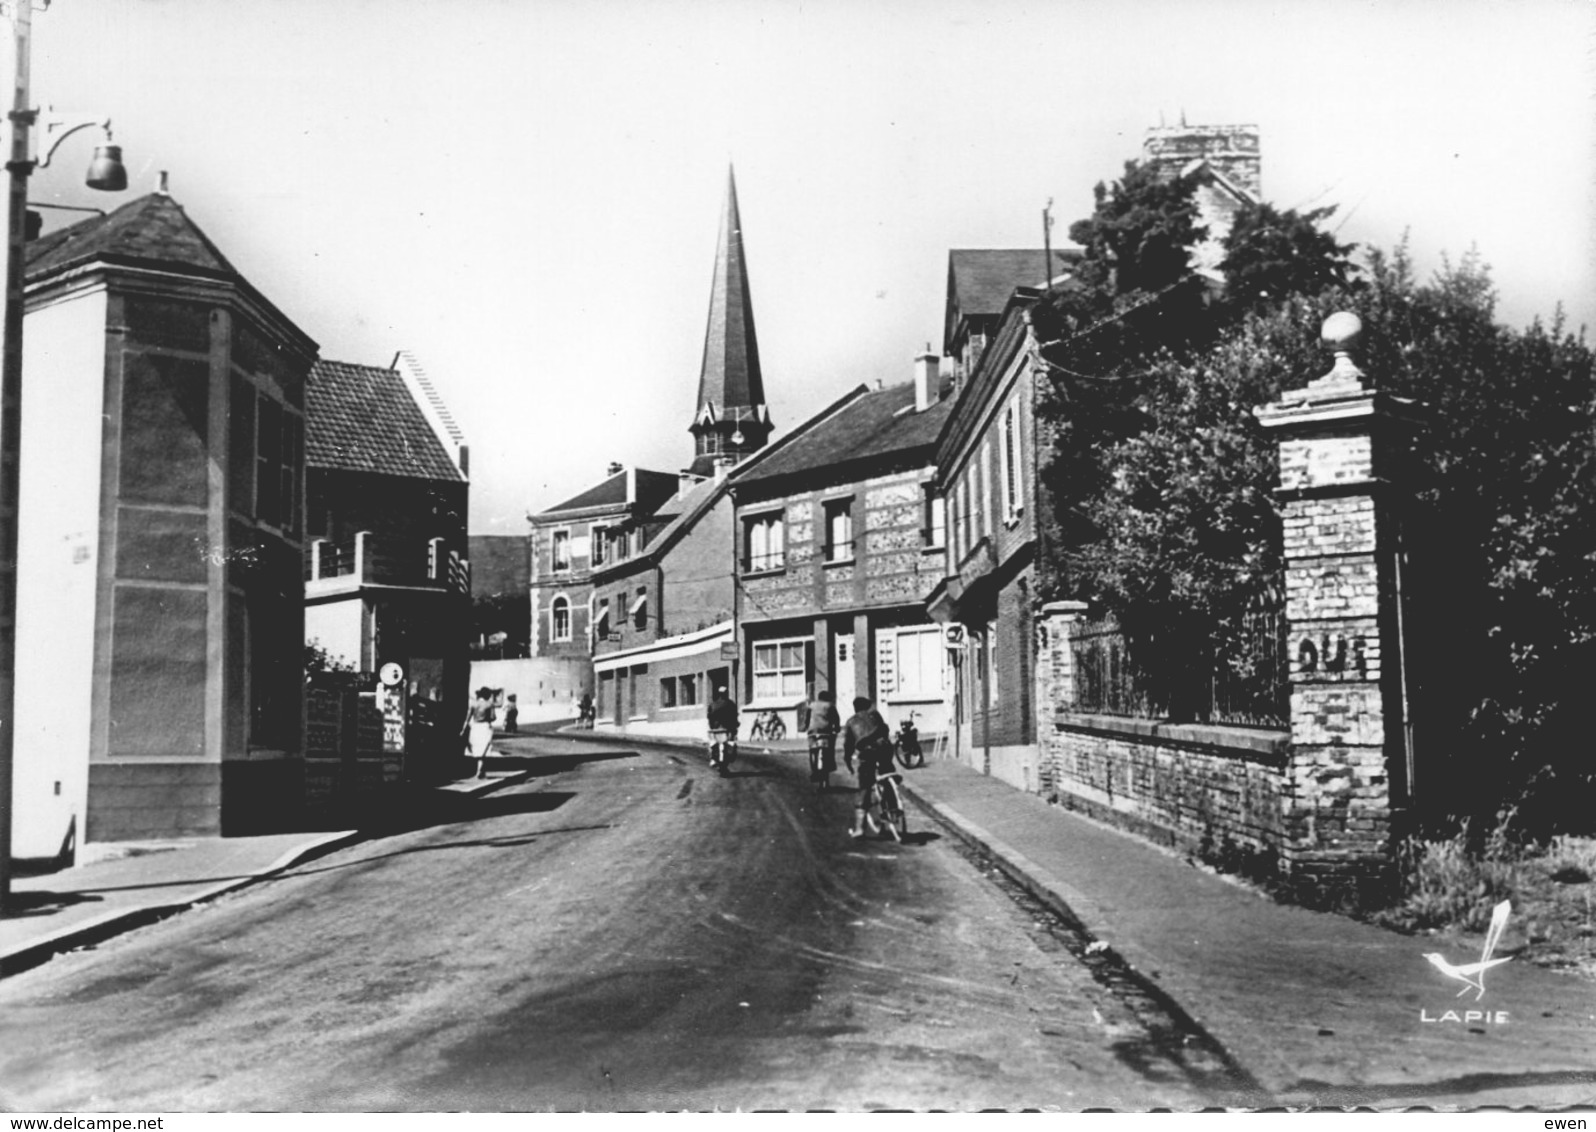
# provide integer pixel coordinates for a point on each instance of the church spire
(730, 418)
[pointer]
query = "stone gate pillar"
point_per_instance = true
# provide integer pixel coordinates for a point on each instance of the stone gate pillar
(1349, 761)
(1055, 686)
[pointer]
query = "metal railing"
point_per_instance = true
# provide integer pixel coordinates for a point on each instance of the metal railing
(1240, 677)
(388, 560)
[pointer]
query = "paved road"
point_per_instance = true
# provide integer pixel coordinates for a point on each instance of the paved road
(625, 931)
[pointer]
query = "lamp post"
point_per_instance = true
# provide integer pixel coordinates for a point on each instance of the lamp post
(106, 173)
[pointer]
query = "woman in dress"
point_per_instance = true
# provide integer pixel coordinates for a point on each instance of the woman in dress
(478, 729)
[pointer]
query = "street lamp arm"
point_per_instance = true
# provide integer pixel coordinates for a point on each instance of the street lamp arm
(56, 128)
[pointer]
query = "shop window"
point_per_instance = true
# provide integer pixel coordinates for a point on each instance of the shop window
(779, 670)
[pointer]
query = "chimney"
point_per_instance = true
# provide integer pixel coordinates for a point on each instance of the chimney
(615, 468)
(927, 378)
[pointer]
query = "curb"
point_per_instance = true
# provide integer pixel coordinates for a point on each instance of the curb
(111, 924)
(1075, 907)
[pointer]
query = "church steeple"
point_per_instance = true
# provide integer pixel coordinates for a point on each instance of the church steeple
(730, 418)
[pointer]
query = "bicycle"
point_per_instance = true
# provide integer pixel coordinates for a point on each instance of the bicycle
(889, 799)
(722, 750)
(767, 726)
(906, 746)
(822, 759)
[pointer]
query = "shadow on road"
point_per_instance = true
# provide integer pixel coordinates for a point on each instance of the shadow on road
(542, 766)
(42, 903)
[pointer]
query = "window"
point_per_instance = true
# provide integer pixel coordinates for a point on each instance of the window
(766, 542)
(640, 610)
(562, 550)
(667, 691)
(688, 689)
(1009, 447)
(839, 530)
(935, 530)
(991, 664)
(920, 662)
(560, 619)
(983, 486)
(601, 623)
(964, 510)
(779, 669)
(597, 539)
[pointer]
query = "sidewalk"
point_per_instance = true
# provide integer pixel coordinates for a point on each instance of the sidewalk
(1319, 1008)
(125, 886)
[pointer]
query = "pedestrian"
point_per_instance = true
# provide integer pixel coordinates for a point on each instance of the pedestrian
(512, 714)
(867, 735)
(478, 729)
(585, 712)
(822, 723)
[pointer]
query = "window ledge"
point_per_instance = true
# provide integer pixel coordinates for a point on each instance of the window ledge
(768, 572)
(839, 562)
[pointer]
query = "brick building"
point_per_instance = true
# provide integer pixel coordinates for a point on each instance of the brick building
(986, 464)
(840, 537)
(160, 602)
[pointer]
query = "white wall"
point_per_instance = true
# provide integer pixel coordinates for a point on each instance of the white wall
(544, 687)
(58, 550)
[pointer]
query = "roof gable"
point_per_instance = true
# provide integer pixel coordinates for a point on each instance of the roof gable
(365, 419)
(152, 229)
(980, 280)
(876, 425)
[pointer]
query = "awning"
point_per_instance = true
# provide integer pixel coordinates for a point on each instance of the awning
(640, 604)
(603, 616)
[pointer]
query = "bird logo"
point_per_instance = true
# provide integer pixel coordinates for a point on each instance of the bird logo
(1472, 975)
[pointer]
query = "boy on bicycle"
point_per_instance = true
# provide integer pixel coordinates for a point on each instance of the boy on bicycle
(823, 726)
(867, 735)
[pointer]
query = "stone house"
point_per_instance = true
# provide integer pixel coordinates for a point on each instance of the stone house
(986, 463)
(387, 577)
(840, 537)
(609, 522)
(160, 596)
(663, 618)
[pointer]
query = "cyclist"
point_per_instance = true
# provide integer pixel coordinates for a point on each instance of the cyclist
(824, 723)
(867, 735)
(722, 715)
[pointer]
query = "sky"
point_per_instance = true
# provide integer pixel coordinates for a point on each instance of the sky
(526, 194)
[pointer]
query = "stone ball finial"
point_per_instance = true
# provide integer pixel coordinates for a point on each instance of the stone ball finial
(1341, 331)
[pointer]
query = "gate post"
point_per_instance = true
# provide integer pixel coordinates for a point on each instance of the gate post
(1349, 763)
(1055, 679)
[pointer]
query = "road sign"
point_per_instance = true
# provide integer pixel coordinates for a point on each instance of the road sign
(728, 650)
(953, 635)
(390, 674)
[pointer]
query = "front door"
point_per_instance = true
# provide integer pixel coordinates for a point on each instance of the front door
(843, 685)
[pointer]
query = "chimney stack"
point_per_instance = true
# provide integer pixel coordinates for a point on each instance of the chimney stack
(927, 379)
(615, 468)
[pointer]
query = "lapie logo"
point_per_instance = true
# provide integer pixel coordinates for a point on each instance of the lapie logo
(1472, 975)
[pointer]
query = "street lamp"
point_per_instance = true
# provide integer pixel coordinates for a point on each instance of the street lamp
(107, 173)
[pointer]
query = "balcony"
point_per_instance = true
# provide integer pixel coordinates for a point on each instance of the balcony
(385, 562)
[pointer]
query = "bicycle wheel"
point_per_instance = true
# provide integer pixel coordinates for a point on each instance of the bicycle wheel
(777, 730)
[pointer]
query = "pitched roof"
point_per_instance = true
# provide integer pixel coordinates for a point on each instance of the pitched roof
(151, 229)
(364, 419)
(980, 280)
(653, 488)
(871, 426)
(730, 373)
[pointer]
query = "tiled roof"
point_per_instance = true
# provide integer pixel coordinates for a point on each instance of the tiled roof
(878, 425)
(653, 488)
(151, 229)
(364, 419)
(982, 279)
(683, 511)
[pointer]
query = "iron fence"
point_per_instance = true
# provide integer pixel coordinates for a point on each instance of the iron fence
(1240, 678)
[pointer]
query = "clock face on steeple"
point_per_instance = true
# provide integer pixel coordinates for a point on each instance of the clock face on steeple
(731, 420)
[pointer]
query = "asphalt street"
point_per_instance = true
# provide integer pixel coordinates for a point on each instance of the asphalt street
(627, 931)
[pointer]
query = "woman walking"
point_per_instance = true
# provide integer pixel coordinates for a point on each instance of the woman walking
(478, 729)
